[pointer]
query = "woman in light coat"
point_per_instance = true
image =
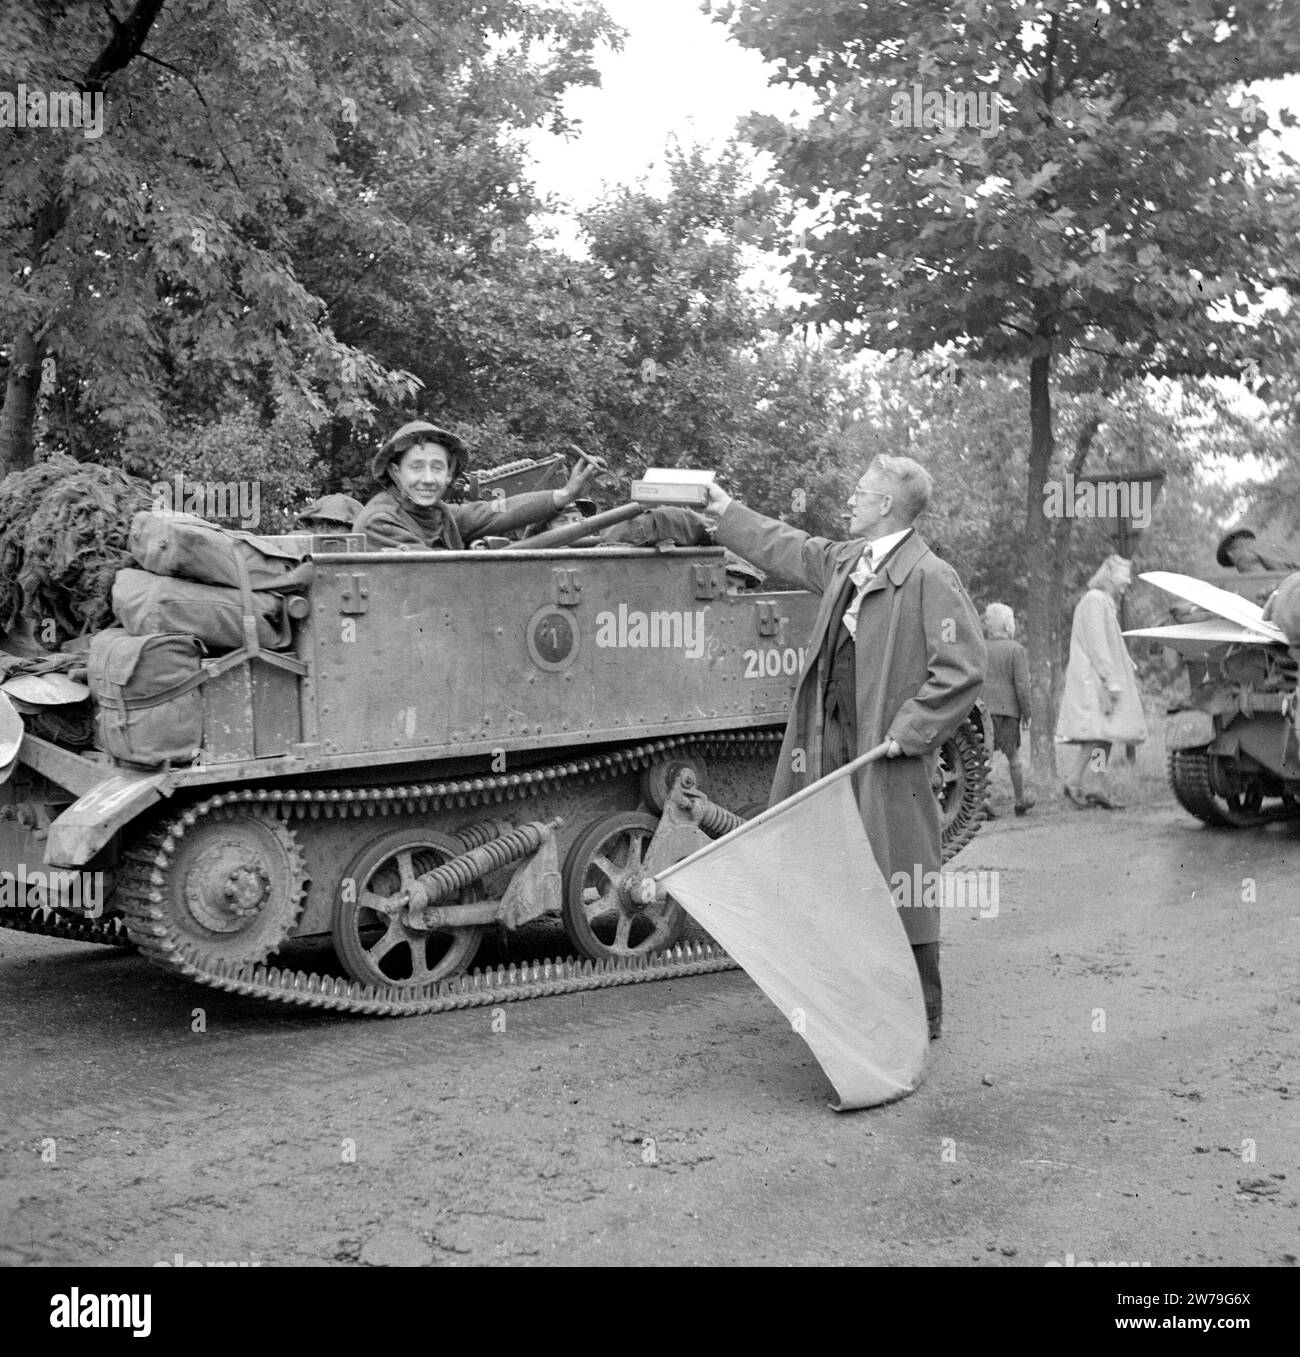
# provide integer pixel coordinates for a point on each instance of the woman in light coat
(1101, 704)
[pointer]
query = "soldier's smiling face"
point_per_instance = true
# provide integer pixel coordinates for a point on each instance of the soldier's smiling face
(423, 472)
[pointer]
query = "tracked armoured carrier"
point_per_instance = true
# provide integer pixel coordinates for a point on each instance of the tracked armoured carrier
(1233, 756)
(462, 743)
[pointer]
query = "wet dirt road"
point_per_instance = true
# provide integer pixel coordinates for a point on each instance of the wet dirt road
(1117, 1082)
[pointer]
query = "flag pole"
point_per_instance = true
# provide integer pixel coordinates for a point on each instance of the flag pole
(849, 768)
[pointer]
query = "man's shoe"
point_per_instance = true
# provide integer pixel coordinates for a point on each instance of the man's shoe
(1075, 798)
(1026, 805)
(1101, 799)
(936, 1029)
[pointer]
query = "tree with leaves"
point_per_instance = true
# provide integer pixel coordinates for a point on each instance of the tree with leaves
(697, 368)
(649, 347)
(1027, 182)
(164, 269)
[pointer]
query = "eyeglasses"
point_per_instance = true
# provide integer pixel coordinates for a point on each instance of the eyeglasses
(857, 494)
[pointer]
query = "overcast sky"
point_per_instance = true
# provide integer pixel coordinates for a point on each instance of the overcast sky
(678, 74)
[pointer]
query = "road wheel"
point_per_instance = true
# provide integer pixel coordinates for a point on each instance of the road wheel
(372, 942)
(601, 918)
(1209, 787)
(961, 785)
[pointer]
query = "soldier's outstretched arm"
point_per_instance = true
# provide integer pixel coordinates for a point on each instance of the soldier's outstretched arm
(771, 545)
(479, 517)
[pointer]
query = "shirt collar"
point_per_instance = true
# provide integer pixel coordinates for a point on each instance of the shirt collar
(882, 546)
(875, 552)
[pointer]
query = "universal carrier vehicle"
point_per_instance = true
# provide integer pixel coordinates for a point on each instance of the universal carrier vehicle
(421, 748)
(1232, 745)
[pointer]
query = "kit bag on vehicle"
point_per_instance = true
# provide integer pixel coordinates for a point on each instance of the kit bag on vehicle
(145, 604)
(191, 548)
(148, 709)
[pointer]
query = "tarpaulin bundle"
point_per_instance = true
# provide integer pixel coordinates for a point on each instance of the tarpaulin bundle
(13, 665)
(795, 896)
(73, 542)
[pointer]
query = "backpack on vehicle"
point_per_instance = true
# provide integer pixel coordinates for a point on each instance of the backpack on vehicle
(144, 604)
(190, 548)
(148, 710)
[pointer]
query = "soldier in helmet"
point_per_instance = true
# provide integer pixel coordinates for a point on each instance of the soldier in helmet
(1242, 549)
(416, 467)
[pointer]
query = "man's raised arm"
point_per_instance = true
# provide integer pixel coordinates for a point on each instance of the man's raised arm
(773, 546)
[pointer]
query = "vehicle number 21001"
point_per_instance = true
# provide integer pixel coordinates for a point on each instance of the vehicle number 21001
(771, 662)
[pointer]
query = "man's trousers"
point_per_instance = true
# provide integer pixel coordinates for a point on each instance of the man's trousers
(840, 746)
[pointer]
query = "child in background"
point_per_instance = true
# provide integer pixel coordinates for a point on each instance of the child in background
(1006, 694)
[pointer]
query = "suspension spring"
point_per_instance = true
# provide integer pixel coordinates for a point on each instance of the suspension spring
(717, 820)
(452, 877)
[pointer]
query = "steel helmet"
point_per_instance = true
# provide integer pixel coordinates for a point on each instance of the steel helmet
(417, 431)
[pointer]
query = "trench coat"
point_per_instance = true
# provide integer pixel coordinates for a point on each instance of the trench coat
(1099, 657)
(919, 668)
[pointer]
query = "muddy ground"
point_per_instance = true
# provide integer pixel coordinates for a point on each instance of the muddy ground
(685, 1122)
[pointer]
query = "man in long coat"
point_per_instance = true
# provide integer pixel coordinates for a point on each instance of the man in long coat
(899, 656)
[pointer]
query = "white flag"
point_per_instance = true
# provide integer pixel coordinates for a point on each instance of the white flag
(796, 898)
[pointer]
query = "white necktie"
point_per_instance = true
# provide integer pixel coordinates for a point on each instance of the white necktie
(861, 577)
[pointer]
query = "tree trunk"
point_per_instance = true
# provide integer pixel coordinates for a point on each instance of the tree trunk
(24, 383)
(19, 411)
(1060, 548)
(1038, 553)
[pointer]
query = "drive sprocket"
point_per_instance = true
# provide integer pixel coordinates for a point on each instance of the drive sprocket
(224, 882)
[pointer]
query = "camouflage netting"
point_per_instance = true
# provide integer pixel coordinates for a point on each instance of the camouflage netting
(20, 493)
(63, 531)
